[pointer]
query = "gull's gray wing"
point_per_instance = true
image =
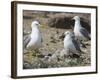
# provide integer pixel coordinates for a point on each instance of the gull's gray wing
(85, 33)
(76, 45)
(41, 37)
(27, 39)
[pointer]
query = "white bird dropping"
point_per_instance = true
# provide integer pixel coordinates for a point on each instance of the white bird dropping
(80, 32)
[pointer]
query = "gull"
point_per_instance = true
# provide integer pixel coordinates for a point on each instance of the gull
(33, 40)
(70, 44)
(80, 32)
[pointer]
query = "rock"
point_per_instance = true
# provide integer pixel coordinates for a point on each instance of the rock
(40, 56)
(53, 41)
(53, 58)
(27, 65)
(61, 54)
(60, 21)
(64, 53)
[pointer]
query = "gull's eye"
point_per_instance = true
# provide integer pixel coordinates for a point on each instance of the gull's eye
(67, 32)
(37, 24)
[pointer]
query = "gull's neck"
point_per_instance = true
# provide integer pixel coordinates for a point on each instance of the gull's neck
(77, 24)
(35, 29)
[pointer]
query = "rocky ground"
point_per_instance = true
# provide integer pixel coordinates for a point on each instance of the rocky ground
(52, 53)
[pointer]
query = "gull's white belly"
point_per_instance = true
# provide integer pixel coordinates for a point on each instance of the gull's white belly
(69, 45)
(35, 42)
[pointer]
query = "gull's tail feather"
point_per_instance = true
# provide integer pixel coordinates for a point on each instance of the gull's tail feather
(89, 36)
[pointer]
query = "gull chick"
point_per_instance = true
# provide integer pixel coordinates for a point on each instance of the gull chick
(80, 32)
(34, 40)
(70, 44)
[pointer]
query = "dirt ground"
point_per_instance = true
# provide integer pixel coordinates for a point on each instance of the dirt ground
(51, 53)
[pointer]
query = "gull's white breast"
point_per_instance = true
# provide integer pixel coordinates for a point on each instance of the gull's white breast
(68, 43)
(35, 41)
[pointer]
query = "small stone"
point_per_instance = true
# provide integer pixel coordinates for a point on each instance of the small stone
(26, 65)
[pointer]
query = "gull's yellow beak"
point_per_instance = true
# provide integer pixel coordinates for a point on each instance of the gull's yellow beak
(42, 26)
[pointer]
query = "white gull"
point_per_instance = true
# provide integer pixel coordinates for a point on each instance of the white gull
(70, 43)
(80, 32)
(34, 40)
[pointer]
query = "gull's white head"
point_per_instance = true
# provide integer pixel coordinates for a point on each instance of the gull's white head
(35, 24)
(69, 33)
(76, 18)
